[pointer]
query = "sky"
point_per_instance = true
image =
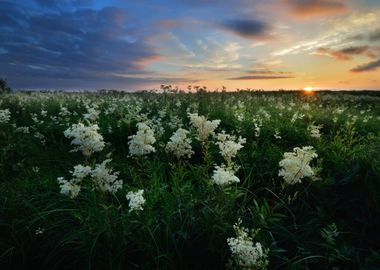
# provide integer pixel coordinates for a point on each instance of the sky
(141, 44)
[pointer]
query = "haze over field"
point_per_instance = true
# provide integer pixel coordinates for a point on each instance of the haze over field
(290, 44)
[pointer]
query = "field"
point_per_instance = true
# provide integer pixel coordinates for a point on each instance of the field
(244, 180)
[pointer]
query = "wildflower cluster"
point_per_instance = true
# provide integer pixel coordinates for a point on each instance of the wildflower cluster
(72, 187)
(229, 145)
(180, 144)
(136, 200)
(102, 178)
(141, 143)
(86, 138)
(296, 165)
(204, 127)
(224, 176)
(315, 131)
(5, 116)
(245, 253)
(105, 179)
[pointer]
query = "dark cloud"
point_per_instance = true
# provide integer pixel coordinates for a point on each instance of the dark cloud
(346, 53)
(375, 36)
(61, 3)
(260, 77)
(251, 29)
(308, 8)
(371, 66)
(271, 72)
(372, 36)
(84, 47)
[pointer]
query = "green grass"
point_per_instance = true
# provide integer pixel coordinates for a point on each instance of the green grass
(186, 219)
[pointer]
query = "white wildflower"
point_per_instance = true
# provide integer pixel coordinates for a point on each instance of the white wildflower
(180, 144)
(204, 127)
(315, 131)
(136, 200)
(224, 176)
(105, 179)
(295, 165)
(68, 187)
(87, 138)
(229, 145)
(72, 187)
(5, 116)
(141, 143)
(245, 253)
(296, 116)
(91, 115)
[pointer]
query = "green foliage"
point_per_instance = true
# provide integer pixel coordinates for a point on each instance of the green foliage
(328, 223)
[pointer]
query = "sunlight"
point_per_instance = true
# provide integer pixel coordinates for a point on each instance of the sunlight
(308, 89)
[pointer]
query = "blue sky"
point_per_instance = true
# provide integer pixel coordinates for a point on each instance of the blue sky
(131, 45)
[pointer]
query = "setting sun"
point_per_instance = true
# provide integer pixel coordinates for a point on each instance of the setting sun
(308, 89)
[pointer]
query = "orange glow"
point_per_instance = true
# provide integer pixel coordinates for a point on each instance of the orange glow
(308, 89)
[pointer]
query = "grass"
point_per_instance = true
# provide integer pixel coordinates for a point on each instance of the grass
(186, 219)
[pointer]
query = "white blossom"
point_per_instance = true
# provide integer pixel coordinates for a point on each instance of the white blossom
(92, 114)
(296, 165)
(68, 187)
(224, 176)
(5, 116)
(141, 143)
(204, 127)
(180, 144)
(229, 145)
(105, 179)
(245, 253)
(315, 131)
(72, 187)
(136, 200)
(86, 138)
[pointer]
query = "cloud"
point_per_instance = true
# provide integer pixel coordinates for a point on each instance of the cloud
(375, 36)
(260, 77)
(345, 53)
(371, 66)
(310, 8)
(251, 29)
(81, 47)
(265, 71)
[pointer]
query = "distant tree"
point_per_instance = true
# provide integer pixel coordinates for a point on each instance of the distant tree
(4, 88)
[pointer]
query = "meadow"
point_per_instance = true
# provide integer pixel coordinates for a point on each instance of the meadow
(243, 180)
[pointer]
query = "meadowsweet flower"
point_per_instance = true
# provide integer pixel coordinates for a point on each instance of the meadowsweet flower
(224, 176)
(257, 123)
(92, 114)
(5, 116)
(245, 253)
(180, 144)
(229, 145)
(296, 116)
(296, 165)
(72, 187)
(86, 138)
(315, 131)
(105, 179)
(204, 127)
(141, 143)
(68, 188)
(136, 200)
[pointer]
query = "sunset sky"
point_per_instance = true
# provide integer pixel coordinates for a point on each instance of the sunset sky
(141, 44)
